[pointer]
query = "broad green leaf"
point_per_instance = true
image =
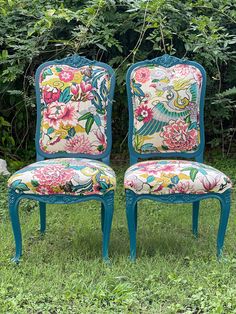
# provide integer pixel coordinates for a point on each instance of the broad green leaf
(193, 173)
(89, 124)
(34, 183)
(85, 116)
(164, 147)
(187, 169)
(58, 69)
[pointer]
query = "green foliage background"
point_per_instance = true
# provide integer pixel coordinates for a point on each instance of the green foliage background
(119, 33)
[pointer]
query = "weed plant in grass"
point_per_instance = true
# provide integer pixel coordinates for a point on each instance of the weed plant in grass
(62, 272)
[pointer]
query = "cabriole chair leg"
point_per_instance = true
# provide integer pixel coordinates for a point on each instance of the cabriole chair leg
(108, 204)
(224, 216)
(14, 215)
(131, 213)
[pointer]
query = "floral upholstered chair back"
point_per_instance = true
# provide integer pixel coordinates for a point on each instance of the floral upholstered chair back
(74, 108)
(166, 106)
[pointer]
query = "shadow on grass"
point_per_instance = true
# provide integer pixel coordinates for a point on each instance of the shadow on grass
(87, 245)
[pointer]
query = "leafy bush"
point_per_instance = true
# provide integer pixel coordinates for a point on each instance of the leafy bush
(119, 33)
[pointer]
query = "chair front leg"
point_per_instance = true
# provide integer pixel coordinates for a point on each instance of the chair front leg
(42, 210)
(107, 215)
(195, 218)
(131, 213)
(14, 215)
(224, 216)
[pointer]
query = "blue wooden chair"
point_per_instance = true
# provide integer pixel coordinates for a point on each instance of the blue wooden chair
(73, 143)
(166, 106)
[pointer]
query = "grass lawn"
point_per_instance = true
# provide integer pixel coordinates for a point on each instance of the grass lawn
(63, 272)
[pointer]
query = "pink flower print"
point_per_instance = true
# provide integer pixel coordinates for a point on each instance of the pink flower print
(57, 113)
(74, 89)
(66, 76)
(86, 89)
(143, 113)
(177, 137)
(96, 189)
(149, 167)
(50, 94)
(158, 189)
(153, 85)
(209, 183)
(183, 187)
(167, 168)
(54, 141)
(133, 182)
(79, 144)
(53, 175)
(102, 142)
(198, 77)
(82, 91)
(183, 69)
(142, 75)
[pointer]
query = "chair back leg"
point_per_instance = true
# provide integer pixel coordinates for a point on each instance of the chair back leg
(136, 216)
(42, 211)
(102, 216)
(195, 218)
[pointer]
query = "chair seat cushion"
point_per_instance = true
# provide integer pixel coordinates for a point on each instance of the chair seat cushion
(174, 176)
(72, 176)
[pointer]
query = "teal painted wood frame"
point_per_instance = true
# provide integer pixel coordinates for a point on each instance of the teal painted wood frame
(133, 198)
(107, 200)
(107, 208)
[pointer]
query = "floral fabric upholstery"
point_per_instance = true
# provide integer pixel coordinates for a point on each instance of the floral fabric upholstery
(175, 176)
(72, 176)
(166, 108)
(74, 105)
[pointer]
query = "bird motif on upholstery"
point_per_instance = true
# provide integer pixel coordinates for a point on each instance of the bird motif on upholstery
(170, 102)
